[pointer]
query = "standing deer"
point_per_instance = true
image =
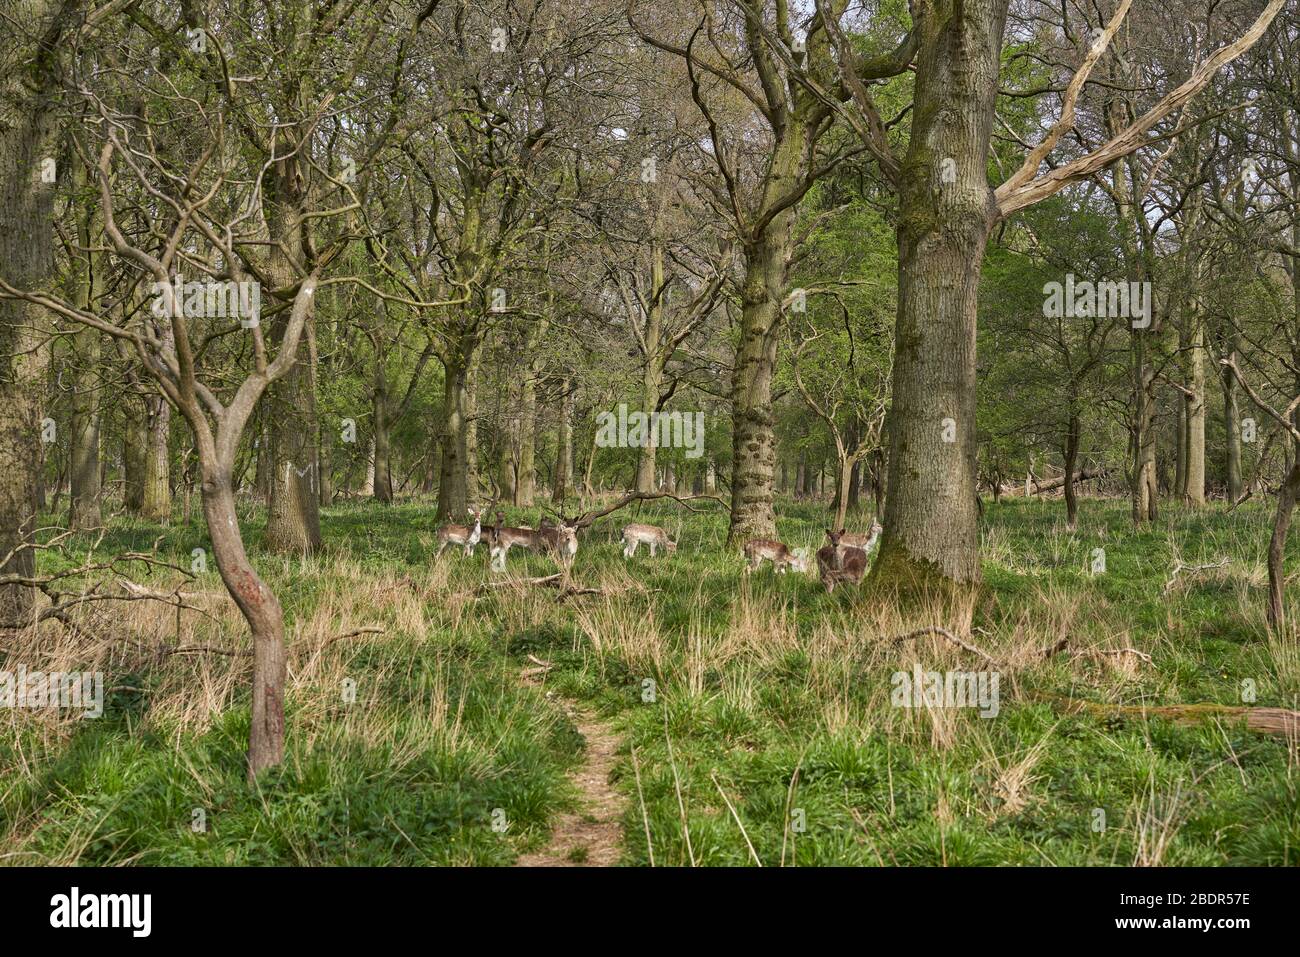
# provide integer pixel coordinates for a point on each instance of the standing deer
(461, 534)
(637, 534)
(838, 562)
(560, 540)
(778, 553)
(865, 541)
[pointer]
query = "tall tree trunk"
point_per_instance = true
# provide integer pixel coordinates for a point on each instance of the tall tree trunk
(753, 439)
(26, 210)
(931, 537)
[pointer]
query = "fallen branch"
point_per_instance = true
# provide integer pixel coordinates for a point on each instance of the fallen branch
(1264, 720)
(1179, 566)
(587, 518)
(945, 633)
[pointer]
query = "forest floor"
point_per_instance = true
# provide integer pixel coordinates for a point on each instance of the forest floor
(690, 714)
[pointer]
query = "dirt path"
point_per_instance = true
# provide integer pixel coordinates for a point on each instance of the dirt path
(592, 836)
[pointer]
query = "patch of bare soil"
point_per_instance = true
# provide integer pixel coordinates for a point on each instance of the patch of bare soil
(592, 836)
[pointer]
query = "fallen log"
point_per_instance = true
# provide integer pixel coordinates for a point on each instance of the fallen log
(1281, 721)
(1053, 484)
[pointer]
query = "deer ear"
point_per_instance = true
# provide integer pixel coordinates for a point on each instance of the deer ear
(843, 530)
(829, 533)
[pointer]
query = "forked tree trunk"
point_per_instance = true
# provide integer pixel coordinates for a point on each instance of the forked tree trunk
(261, 609)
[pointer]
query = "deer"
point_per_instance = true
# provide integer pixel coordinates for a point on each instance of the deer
(461, 534)
(838, 562)
(778, 553)
(637, 534)
(561, 540)
(863, 540)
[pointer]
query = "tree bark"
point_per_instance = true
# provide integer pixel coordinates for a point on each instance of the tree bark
(563, 486)
(156, 505)
(1286, 499)
(1071, 458)
(26, 259)
(931, 538)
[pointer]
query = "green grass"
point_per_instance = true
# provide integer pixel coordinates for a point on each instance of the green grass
(758, 690)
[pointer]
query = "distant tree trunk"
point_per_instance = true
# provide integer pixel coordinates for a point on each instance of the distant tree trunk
(156, 505)
(526, 476)
(368, 485)
(563, 486)
(651, 384)
(383, 490)
(293, 512)
(134, 441)
(1195, 404)
(1232, 426)
(1071, 458)
(1286, 500)
(453, 480)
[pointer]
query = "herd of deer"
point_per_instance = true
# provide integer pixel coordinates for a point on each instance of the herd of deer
(844, 559)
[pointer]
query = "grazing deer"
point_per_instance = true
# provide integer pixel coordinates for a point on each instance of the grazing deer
(561, 540)
(838, 562)
(860, 540)
(461, 534)
(778, 553)
(637, 534)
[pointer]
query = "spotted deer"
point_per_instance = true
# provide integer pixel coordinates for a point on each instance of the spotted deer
(778, 553)
(560, 540)
(461, 534)
(637, 534)
(838, 562)
(863, 540)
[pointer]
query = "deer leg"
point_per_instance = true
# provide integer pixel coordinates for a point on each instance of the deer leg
(652, 549)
